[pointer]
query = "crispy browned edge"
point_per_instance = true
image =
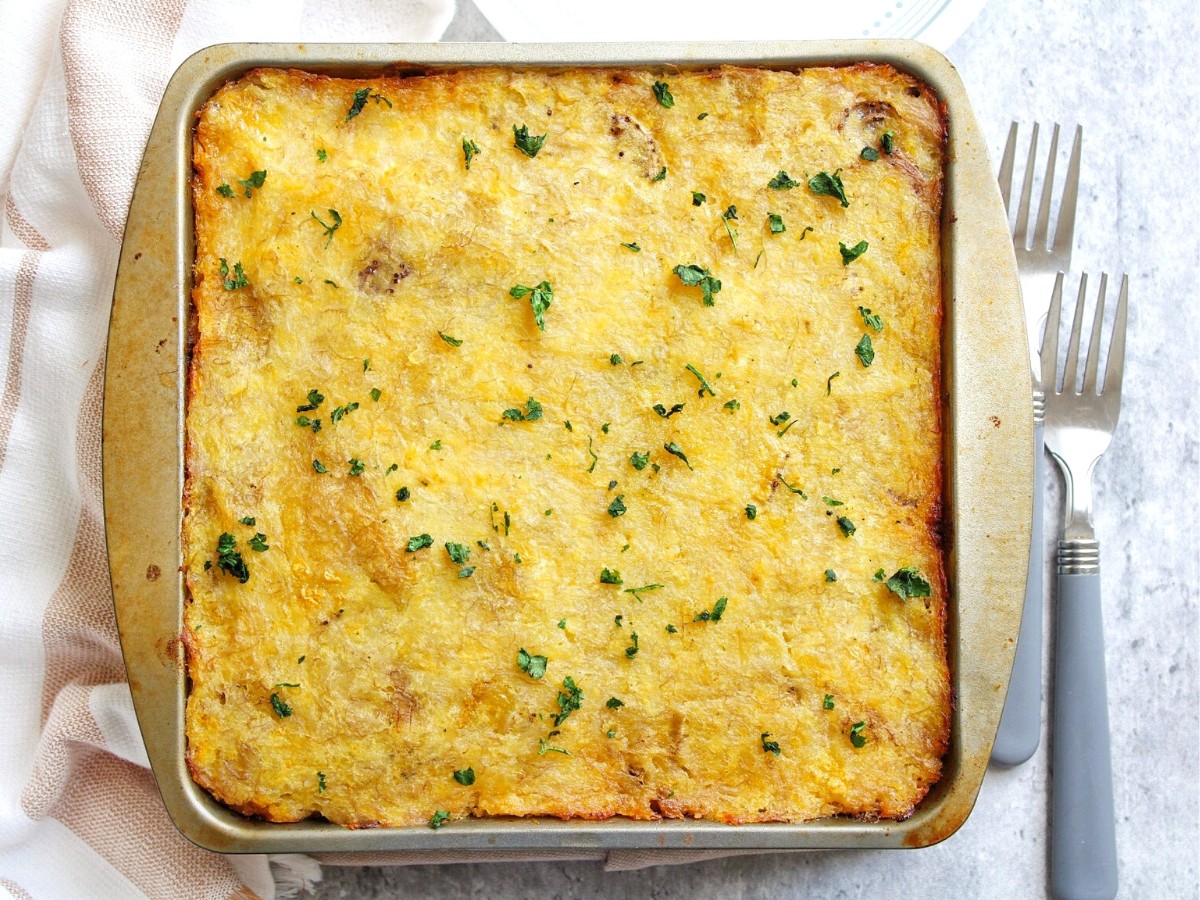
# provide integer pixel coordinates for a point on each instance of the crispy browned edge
(935, 522)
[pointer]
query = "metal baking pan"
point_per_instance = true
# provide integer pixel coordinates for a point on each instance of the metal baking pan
(988, 440)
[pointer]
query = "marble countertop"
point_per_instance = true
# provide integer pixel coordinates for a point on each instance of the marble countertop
(1113, 67)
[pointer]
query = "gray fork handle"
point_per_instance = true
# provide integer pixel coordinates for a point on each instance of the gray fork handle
(1083, 846)
(1021, 722)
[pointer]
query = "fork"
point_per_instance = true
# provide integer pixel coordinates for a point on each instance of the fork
(1079, 426)
(1038, 264)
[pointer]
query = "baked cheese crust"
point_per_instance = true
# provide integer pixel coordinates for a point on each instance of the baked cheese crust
(677, 554)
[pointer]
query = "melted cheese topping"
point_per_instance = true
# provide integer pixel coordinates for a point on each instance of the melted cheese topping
(353, 673)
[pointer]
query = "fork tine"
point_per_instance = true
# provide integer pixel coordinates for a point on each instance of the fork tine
(1006, 166)
(1042, 227)
(1114, 368)
(1093, 353)
(1064, 231)
(1021, 229)
(1049, 351)
(1072, 365)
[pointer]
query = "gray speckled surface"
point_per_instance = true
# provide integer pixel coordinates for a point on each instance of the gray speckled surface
(1114, 67)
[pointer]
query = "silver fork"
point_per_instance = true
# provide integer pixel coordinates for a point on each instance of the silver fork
(1038, 264)
(1079, 425)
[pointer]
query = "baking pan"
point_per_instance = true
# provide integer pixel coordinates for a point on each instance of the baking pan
(988, 440)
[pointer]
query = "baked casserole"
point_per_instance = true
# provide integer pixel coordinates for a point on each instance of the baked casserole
(567, 444)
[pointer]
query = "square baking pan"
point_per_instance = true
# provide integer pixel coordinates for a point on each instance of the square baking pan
(987, 438)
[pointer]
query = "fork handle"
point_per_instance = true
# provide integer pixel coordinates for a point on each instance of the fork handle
(1083, 847)
(1021, 722)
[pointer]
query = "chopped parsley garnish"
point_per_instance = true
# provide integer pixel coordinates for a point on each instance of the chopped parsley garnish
(319, 467)
(769, 746)
(776, 222)
(315, 399)
(539, 300)
(527, 143)
(281, 708)
(794, 490)
(544, 748)
(805, 232)
(698, 198)
(661, 175)
(449, 339)
(695, 276)
(702, 116)
(258, 543)
(533, 666)
(879, 575)
(225, 190)
(782, 182)
(376, 393)
(403, 494)
(320, 782)
(827, 703)
(846, 526)
(617, 507)
(638, 591)
(865, 351)
(888, 142)
(466, 571)
(870, 154)
(567, 425)
(704, 385)
(614, 703)
(824, 184)
(850, 254)
(665, 413)
(857, 737)
(829, 383)
(229, 560)
(615, 359)
(671, 629)
(465, 777)
(340, 412)
(562, 623)
(639, 460)
(239, 276)
(470, 150)
(255, 181)
(605, 427)
(610, 576)
(908, 583)
(675, 450)
(875, 323)
(592, 454)
(420, 542)
(459, 553)
(306, 422)
(732, 405)
(336, 217)
(780, 419)
(751, 511)
(248, 520)
(726, 217)
(533, 412)
(436, 445)
(663, 94)
(322, 155)
(617, 620)
(632, 245)
(360, 100)
(718, 610)
(632, 649)
(829, 501)
(570, 698)
(830, 576)
(438, 819)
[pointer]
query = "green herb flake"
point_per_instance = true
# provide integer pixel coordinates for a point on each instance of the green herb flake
(539, 300)
(531, 413)
(665, 413)
(829, 501)
(436, 445)
(617, 620)
(567, 425)
(865, 351)
(615, 359)
(315, 399)
(319, 467)
(857, 736)
(718, 610)
(638, 591)
(617, 507)
(533, 666)
(562, 623)
(632, 245)
(449, 339)
(376, 393)
(782, 182)
(850, 254)
(639, 460)
(845, 526)
(527, 143)
(729, 215)
(879, 575)
(675, 450)
(605, 427)
(470, 151)
(592, 454)
(322, 155)
(829, 383)
(341, 412)
(887, 141)
(225, 190)
(320, 782)
(779, 419)
(248, 520)
(671, 629)
(824, 184)
(281, 708)
(701, 117)
(544, 748)
(698, 198)
(751, 511)
(874, 322)
(870, 154)
(238, 280)
(360, 100)
(830, 576)
(229, 560)
(775, 221)
(662, 93)
(438, 819)
(420, 542)
(632, 650)
(459, 553)
(403, 494)
(465, 777)
(610, 576)
(613, 703)
(258, 543)
(769, 746)
(696, 276)
(908, 583)
(805, 232)
(336, 220)
(794, 490)
(827, 703)
(704, 385)
(733, 405)
(570, 698)
(661, 175)
(255, 181)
